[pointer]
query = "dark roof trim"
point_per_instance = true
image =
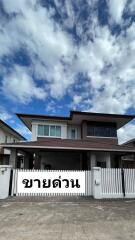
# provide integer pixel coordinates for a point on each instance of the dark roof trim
(6, 125)
(35, 116)
(101, 114)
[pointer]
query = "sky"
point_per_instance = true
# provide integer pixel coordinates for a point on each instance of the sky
(62, 55)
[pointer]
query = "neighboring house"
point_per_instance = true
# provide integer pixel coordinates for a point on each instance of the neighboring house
(7, 135)
(78, 142)
(130, 143)
(130, 163)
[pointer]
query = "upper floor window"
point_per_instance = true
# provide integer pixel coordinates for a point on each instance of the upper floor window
(101, 130)
(6, 139)
(73, 133)
(49, 130)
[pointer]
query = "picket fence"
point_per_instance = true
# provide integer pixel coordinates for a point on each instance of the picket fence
(107, 184)
(111, 183)
(112, 186)
(14, 192)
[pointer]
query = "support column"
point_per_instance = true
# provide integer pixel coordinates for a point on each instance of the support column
(96, 183)
(13, 158)
(89, 160)
(108, 160)
(37, 162)
(93, 160)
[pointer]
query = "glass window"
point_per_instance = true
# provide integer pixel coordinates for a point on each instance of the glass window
(46, 130)
(58, 131)
(43, 130)
(52, 130)
(102, 131)
(40, 130)
(73, 133)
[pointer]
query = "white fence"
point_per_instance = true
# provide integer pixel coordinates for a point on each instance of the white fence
(111, 183)
(87, 184)
(99, 183)
(129, 183)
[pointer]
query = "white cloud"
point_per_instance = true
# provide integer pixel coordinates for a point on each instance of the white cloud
(47, 45)
(18, 85)
(107, 61)
(116, 8)
(4, 114)
(126, 133)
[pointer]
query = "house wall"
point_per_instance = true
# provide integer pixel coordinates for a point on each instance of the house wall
(78, 131)
(81, 131)
(9, 138)
(35, 128)
(113, 140)
(65, 129)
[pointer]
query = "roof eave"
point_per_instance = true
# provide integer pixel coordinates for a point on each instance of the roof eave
(13, 130)
(66, 148)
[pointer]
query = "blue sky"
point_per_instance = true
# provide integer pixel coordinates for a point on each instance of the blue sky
(61, 55)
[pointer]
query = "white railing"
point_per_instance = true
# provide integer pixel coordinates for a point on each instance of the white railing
(16, 172)
(129, 182)
(111, 183)
(99, 183)
(88, 183)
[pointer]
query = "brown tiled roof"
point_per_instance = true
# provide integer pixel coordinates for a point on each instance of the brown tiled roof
(72, 145)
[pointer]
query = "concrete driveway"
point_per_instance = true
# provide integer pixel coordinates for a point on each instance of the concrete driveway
(67, 219)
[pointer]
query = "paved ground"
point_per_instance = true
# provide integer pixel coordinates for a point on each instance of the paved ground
(67, 219)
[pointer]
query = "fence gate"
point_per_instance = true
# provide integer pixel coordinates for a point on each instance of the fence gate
(111, 183)
(80, 187)
(117, 183)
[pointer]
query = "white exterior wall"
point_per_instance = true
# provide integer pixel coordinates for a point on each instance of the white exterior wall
(5, 180)
(10, 139)
(65, 129)
(12, 160)
(34, 131)
(78, 131)
(35, 128)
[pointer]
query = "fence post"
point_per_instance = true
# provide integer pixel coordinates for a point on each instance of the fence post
(96, 182)
(5, 171)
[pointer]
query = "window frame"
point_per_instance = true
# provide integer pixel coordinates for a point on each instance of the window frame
(49, 135)
(75, 131)
(101, 130)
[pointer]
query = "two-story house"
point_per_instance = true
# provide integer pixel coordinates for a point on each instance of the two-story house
(7, 135)
(77, 142)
